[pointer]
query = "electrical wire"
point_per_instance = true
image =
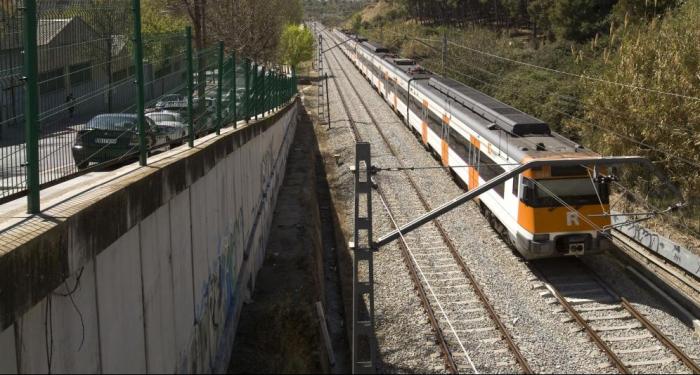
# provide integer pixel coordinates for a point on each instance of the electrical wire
(583, 121)
(69, 294)
(398, 169)
(561, 72)
(418, 267)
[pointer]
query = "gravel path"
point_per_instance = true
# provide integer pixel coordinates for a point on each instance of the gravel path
(543, 332)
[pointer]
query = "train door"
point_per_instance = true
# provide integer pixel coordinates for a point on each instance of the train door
(511, 196)
(474, 160)
(446, 138)
(394, 89)
(424, 121)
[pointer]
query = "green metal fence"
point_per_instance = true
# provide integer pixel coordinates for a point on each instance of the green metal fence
(82, 88)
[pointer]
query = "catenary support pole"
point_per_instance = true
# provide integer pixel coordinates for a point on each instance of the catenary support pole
(363, 341)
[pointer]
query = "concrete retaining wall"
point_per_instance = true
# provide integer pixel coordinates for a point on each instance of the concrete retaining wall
(152, 276)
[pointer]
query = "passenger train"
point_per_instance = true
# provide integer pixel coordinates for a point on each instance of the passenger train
(478, 138)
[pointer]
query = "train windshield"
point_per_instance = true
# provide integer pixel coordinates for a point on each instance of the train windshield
(573, 191)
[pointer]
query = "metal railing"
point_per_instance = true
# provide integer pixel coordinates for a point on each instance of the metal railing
(82, 88)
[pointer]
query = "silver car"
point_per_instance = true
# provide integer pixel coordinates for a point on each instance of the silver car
(171, 124)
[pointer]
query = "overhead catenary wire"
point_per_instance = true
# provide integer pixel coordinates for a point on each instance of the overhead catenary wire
(585, 122)
(418, 267)
(418, 168)
(625, 137)
(580, 120)
(561, 72)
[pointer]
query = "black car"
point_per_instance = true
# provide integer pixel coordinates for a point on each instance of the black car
(113, 136)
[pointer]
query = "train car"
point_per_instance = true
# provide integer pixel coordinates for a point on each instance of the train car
(546, 212)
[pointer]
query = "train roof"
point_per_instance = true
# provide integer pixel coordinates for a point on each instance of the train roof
(519, 135)
(502, 115)
(408, 67)
(375, 48)
(518, 148)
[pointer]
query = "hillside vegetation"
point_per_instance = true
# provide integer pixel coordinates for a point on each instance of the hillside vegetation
(618, 77)
(332, 12)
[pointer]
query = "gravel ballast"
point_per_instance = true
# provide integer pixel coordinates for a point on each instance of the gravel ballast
(545, 335)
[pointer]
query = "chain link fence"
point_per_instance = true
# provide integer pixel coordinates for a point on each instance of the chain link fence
(82, 89)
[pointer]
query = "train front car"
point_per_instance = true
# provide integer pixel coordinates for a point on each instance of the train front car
(562, 211)
(546, 212)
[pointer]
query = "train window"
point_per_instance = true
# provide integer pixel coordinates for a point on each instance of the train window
(573, 191)
(460, 145)
(515, 185)
(489, 169)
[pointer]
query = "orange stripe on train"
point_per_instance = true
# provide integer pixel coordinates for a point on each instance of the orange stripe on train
(560, 219)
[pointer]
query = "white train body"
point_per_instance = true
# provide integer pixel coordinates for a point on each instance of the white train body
(478, 138)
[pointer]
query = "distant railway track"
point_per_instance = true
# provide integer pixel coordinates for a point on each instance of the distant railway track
(620, 330)
(441, 277)
(675, 275)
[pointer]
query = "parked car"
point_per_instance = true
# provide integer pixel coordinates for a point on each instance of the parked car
(114, 136)
(166, 116)
(171, 124)
(176, 107)
(169, 100)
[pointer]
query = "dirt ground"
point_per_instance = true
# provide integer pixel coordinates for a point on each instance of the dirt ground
(279, 329)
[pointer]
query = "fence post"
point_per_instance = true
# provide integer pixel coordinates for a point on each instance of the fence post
(280, 88)
(246, 94)
(190, 87)
(219, 90)
(263, 92)
(233, 96)
(278, 98)
(294, 81)
(140, 91)
(255, 92)
(31, 105)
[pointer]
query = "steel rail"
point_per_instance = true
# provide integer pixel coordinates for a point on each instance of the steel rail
(635, 249)
(505, 334)
(420, 289)
(660, 336)
(596, 338)
(627, 306)
(617, 362)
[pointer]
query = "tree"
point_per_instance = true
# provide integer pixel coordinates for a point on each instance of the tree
(163, 32)
(356, 22)
(296, 45)
(112, 23)
(640, 10)
(252, 28)
(663, 56)
(580, 19)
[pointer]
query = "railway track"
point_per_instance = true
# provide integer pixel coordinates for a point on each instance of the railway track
(671, 273)
(456, 306)
(631, 342)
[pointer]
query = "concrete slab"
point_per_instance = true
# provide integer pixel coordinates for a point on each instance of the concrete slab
(76, 337)
(200, 260)
(32, 340)
(8, 354)
(158, 298)
(60, 335)
(183, 293)
(120, 306)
